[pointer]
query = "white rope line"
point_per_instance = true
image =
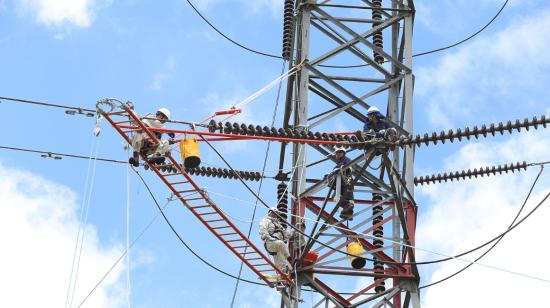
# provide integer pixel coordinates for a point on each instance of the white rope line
(128, 280)
(86, 183)
(85, 211)
(270, 85)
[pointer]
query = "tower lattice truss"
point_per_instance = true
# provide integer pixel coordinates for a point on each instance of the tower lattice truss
(351, 55)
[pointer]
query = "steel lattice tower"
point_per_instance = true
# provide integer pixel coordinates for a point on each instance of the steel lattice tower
(327, 33)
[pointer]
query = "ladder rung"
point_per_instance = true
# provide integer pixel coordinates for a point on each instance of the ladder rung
(184, 191)
(262, 264)
(214, 220)
(126, 121)
(117, 113)
(247, 253)
(224, 234)
(209, 213)
(236, 247)
(237, 240)
(267, 270)
(251, 259)
(172, 174)
(192, 199)
(200, 206)
(176, 183)
(222, 227)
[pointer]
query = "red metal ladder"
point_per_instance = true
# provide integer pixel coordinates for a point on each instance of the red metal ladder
(200, 204)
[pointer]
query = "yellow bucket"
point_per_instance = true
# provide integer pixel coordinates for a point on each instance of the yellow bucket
(358, 261)
(190, 155)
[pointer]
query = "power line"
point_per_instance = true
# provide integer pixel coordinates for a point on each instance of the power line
(161, 212)
(123, 255)
(88, 112)
(342, 252)
(261, 182)
(54, 154)
(349, 66)
(497, 241)
(466, 39)
(227, 37)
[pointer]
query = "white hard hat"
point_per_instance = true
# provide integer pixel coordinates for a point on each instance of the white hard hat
(372, 109)
(339, 149)
(165, 111)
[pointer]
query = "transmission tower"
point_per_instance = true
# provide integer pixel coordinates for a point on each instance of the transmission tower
(327, 33)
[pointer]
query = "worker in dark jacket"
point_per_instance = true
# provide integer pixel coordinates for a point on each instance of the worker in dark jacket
(378, 126)
(346, 187)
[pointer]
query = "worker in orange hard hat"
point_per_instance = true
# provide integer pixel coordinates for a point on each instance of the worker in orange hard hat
(140, 139)
(275, 236)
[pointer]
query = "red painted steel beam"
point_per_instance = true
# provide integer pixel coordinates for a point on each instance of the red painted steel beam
(370, 229)
(390, 203)
(345, 230)
(207, 200)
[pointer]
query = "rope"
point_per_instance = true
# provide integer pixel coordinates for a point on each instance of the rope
(128, 280)
(86, 183)
(123, 254)
(82, 222)
(259, 186)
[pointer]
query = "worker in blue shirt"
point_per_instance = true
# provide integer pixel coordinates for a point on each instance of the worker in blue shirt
(378, 126)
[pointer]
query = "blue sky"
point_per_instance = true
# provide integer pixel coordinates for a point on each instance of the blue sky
(161, 54)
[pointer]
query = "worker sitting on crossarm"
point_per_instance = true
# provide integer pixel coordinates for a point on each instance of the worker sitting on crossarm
(141, 140)
(346, 186)
(275, 237)
(378, 126)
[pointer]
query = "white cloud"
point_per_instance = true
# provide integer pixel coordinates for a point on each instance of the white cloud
(494, 72)
(464, 214)
(38, 227)
(167, 71)
(61, 13)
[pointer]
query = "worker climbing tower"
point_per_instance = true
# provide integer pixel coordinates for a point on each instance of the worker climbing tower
(353, 54)
(344, 58)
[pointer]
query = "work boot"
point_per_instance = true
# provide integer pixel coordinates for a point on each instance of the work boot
(347, 212)
(134, 161)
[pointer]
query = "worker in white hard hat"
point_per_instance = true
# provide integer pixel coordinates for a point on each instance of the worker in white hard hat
(345, 171)
(275, 236)
(378, 126)
(140, 139)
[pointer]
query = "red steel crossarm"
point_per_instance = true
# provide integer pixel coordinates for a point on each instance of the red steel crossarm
(385, 220)
(356, 201)
(346, 271)
(345, 230)
(224, 229)
(243, 137)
